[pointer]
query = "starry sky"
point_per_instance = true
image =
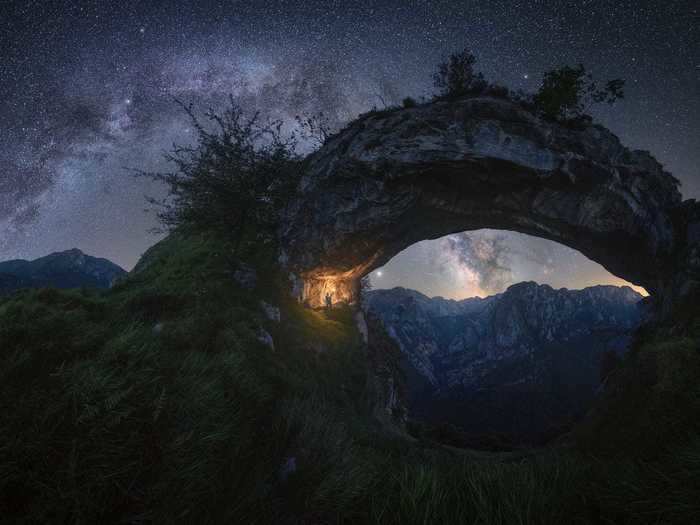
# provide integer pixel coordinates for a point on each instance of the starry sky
(87, 89)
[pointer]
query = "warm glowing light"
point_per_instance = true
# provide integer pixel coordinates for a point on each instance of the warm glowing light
(320, 291)
(327, 285)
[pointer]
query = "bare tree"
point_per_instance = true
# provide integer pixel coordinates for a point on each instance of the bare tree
(315, 129)
(234, 179)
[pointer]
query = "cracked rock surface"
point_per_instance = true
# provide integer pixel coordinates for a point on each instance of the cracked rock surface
(393, 178)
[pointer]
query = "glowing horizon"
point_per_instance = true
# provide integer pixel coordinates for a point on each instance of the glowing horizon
(486, 262)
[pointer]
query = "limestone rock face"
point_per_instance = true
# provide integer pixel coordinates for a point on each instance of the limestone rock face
(393, 178)
(480, 361)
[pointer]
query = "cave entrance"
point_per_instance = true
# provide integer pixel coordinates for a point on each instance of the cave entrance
(505, 338)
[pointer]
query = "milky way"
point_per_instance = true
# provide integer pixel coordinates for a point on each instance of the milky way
(87, 92)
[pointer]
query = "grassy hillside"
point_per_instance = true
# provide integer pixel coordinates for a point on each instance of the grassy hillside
(158, 402)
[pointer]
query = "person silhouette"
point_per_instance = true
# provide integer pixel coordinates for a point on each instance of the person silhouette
(329, 301)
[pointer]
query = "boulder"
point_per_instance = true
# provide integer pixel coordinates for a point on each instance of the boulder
(245, 276)
(271, 312)
(265, 338)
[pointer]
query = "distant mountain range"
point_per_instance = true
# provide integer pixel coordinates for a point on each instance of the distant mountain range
(68, 269)
(524, 364)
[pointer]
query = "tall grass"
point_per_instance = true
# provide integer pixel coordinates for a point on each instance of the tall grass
(156, 403)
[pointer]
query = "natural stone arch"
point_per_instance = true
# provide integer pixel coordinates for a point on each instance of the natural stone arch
(397, 177)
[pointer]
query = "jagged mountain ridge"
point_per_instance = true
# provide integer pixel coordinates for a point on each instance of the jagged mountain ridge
(66, 269)
(475, 362)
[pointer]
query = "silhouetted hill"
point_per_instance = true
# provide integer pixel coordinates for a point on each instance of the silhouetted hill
(68, 269)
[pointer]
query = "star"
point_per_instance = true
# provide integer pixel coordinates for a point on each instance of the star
(86, 74)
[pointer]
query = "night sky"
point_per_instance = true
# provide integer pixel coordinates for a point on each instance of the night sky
(87, 88)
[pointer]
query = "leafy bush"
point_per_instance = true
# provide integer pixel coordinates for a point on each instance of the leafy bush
(567, 92)
(498, 91)
(456, 77)
(409, 102)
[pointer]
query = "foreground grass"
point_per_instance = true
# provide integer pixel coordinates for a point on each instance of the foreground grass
(157, 402)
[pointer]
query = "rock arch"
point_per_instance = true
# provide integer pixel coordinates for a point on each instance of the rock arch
(396, 177)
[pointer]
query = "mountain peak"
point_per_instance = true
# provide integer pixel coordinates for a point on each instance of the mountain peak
(66, 269)
(530, 340)
(524, 287)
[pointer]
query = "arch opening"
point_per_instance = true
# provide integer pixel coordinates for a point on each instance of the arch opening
(395, 178)
(343, 285)
(492, 359)
(486, 262)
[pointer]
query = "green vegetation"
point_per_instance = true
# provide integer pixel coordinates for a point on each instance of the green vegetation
(567, 92)
(651, 402)
(456, 77)
(156, 402)
(234, 180)
(409, 102)
(565, 95)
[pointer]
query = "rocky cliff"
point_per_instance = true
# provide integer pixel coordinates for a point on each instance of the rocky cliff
(68, 269)
(396, 177)
(527, 361)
